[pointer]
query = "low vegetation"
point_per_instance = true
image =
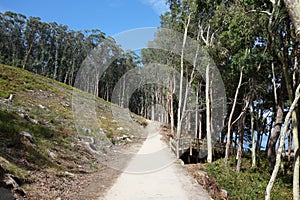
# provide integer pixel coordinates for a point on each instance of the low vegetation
(38, 136)
(249, 183)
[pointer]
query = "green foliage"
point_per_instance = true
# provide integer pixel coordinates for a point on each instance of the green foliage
(55, 51)
(249, 183)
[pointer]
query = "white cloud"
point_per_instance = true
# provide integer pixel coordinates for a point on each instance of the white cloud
(159, 6)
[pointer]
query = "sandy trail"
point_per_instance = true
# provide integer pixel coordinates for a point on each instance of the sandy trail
(154, 173)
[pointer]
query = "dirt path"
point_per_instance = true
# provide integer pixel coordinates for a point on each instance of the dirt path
(154, 173)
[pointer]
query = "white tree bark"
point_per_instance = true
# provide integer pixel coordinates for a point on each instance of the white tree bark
(208, 119)
(293, 7)
(296, 161)
(296, 189)
(180, 98)
(281, 144)
(253, 136)
(197, 111)
(172, 88)
(230, 117)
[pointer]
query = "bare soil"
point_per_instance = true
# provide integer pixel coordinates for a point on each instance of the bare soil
(86, 184)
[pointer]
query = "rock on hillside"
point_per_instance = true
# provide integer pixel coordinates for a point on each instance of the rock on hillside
(42, 152)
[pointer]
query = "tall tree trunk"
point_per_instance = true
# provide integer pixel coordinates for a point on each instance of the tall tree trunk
(259, 125)
(72, 75)
(296, 153)
(289, 146)
(273, 137)
(281, 144)
(172, 88)
(240, 143)
(253, 136)
(123, 91)
(27, 55)
(56, 60)
(180, 97)
(152, 107)
(228, 136)
(96, 85)
(289, 86)
(295, 133)
(197, 111)
(241, 125)
(293, 7)
(208, 118)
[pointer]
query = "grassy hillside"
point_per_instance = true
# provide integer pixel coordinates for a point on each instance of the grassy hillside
(42, 109)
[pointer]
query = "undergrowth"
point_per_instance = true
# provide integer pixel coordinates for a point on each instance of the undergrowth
(249, 183)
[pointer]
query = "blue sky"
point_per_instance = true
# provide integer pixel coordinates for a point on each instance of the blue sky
(110, 16)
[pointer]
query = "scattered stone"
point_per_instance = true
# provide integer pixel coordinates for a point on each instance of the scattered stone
(101, 131)
(181, 162)
(120, 129)
(224, 194)
(51, 154)
(34, 121)
(68, 174)
(25, 116)
(10, 182)
(29, 137)
(3, 100)
(42, 107)
(11, 97)
(89, 139)
(92, 146)
(65, 104)
(123, 138)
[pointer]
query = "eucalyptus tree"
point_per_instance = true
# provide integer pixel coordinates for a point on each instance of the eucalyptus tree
(32, 36)
(48, 48)
(11, 41)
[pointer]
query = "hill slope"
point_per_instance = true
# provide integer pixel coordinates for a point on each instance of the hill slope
(41, 154)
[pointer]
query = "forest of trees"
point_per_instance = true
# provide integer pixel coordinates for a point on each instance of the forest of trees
(57, 52)
(253, 43)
